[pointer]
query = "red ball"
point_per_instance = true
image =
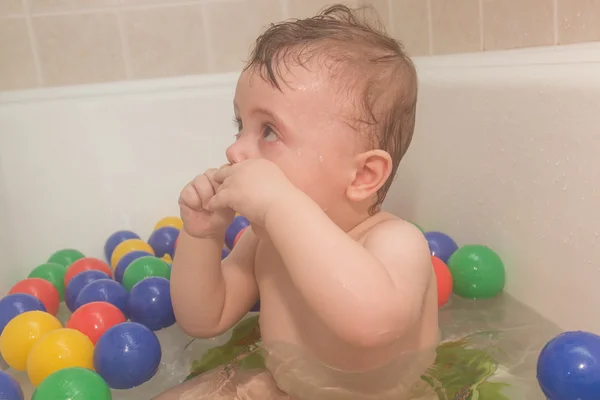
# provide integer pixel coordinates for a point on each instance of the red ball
(444, 280)
(239, 235)
(86, 264)
(95, 318)
(41, 289)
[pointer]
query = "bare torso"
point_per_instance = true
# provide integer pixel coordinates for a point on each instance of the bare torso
(285, 317)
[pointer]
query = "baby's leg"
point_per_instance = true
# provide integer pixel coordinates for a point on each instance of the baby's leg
(225, 384)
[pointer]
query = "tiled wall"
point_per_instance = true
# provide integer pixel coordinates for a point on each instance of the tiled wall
(62, 42)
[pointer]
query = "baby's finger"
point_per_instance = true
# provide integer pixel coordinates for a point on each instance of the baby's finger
(204, 188)
(223, 173)
(189, 197)
(219, 201)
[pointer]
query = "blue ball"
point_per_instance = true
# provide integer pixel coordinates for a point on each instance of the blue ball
(441, 245)
(225, 252)
(236, 226)
(105, 290)
(115, 239)
(150, 303)
(125, 261)
(9, 387)
(568, 367)
(256, 306)
(15, 304)
(162, 241)
(127, 355)
(78, 282)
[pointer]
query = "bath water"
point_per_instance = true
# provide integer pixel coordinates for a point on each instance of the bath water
(489, 351)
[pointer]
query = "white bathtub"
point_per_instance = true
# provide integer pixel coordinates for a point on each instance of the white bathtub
(505, 153)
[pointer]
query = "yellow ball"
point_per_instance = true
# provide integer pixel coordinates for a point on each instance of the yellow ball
(127, 246)
(59, 349)
(21, 333)
(175, 222)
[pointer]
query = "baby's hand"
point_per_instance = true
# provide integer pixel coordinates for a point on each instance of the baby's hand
(197, 220)
(251, 188)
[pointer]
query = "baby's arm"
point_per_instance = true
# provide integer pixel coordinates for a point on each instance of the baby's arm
(368, 295)
(210, 296)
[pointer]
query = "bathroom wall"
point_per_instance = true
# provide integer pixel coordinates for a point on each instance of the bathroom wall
(65, 42)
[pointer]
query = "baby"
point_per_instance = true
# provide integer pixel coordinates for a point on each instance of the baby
(325, 111)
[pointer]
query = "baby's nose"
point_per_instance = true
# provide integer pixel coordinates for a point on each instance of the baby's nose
(237, 152)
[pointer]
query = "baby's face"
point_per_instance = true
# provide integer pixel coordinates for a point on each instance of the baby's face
(302, 129)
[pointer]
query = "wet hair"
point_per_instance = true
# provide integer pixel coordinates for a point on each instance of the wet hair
(358, 53)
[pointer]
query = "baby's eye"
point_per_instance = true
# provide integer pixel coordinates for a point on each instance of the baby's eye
(269, 135)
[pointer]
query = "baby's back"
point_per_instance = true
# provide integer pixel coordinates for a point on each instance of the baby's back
(306, 358)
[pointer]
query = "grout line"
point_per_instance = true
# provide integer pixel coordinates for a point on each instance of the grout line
(430, 27)
(555, 20)
(34, 47)
(285, 9)
(210, 61)
(481, 28)
(125, 49)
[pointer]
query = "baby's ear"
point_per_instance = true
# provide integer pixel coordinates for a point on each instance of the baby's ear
(372, 169)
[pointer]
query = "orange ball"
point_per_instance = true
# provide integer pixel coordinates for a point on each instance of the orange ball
(95, 318)
(86, 264)
(41, 289)
(444, 280)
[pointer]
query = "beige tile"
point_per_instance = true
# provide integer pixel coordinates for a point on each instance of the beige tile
(43, 6)
(233, 27)
(79, 48)
(382, 12)
(455, 26)
(11, 7)
(17, 68)
(578, 21)
(309, 8)
(410, 25)
(166, 41)
(517, 23)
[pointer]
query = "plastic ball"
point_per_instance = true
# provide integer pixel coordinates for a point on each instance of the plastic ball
(78, 282)
(53, 273)
(238, 236)
(61, 348)
(16, 304)
(174, 222)
(126, 260)
(95, 318)
(477, 272)
(444, 280)
(127, 246)
(9, 387)
(224, 252)
(115, 239)
(143, 268)
(74, 383)
(163, 239)
(441, 245)
(86, 264)
(105, 290)
(150, 303)
(234, 228)
(42, 290)
(65, 257)
(22, 333)
(127, 355)
(256, 306)
(568, 367)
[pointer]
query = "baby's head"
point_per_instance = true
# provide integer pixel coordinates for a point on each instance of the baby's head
(330, 100)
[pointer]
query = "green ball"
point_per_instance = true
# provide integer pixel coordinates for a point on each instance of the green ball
(53, 273)
(65, 257)
(74, 384)
(477, 272)
(145, 267)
